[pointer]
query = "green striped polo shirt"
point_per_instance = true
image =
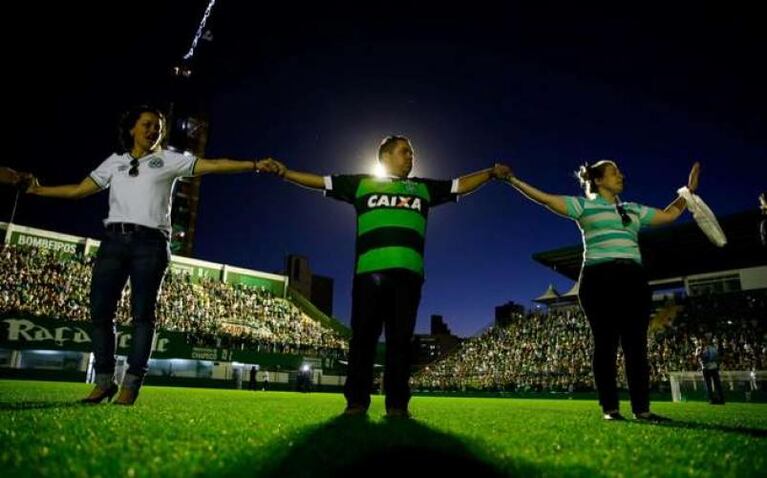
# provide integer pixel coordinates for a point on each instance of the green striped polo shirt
(604, 235)
(391, 217)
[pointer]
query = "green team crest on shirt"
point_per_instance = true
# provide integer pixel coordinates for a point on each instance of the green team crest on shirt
(156, 163)
(410, 186)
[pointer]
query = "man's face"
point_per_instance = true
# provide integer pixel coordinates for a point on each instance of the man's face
(400, 161)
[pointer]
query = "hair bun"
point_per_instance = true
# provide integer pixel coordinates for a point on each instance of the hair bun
(583, 173)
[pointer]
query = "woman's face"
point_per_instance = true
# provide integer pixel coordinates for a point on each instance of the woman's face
(147, 131)
(612, 180)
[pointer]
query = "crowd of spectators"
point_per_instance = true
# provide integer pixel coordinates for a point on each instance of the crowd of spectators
(44, 283)
(538, 351)
(552, 351)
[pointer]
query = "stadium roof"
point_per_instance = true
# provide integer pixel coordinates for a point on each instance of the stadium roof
(551, 295)
(573, 292)
(680, 250)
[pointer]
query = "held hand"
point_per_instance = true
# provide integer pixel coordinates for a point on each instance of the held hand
(26, 180)
(269, 165)
(265, 165)
(501, 171)
(33, 185)
(692, 182)
(9, 176)
(281, 169)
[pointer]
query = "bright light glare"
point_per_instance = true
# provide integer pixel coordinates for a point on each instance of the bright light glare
(378, 170)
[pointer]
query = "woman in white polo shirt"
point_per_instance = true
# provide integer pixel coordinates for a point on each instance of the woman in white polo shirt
(140, 179)
(614, 292)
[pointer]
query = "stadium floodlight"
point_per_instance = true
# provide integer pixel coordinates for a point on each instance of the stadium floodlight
(305, 367)
(200, 31)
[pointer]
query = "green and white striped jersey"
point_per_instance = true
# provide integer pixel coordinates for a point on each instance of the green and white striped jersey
(391, 217)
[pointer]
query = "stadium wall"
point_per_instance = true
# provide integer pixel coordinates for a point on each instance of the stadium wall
(36, 333)
(50, 349)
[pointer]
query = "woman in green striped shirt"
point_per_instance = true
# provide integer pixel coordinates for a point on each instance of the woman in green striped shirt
(614, 292)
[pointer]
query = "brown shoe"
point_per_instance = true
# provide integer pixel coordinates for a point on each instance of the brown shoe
(99, 394)
(127, 396)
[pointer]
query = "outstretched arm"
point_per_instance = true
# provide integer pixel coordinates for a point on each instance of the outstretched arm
(473, 181)
(68, 191)
(553, 202)
(307, 180)
(228, 166)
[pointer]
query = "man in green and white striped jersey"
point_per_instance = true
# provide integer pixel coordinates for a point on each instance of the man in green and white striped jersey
(392, 212)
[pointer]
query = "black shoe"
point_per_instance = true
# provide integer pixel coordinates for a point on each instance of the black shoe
(614, 416)
(355, 411)
(99, 394)
(651, 417)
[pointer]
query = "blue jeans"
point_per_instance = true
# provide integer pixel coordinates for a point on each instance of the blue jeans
(143, 256)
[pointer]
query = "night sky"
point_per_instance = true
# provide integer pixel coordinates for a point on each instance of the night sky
(317, 88)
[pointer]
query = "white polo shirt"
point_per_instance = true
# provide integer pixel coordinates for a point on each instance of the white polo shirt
(144, 199)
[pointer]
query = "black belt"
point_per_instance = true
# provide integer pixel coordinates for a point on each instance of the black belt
(128, 227)
(623, 261)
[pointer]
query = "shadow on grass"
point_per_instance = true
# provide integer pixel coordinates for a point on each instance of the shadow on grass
(752, 432)
(356, 447)
(40, 405)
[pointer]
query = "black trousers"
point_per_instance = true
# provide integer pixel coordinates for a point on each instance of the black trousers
(389, 298)
(713, 385)
(616, 299)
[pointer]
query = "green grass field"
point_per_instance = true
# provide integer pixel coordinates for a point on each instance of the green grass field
(187, 432)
